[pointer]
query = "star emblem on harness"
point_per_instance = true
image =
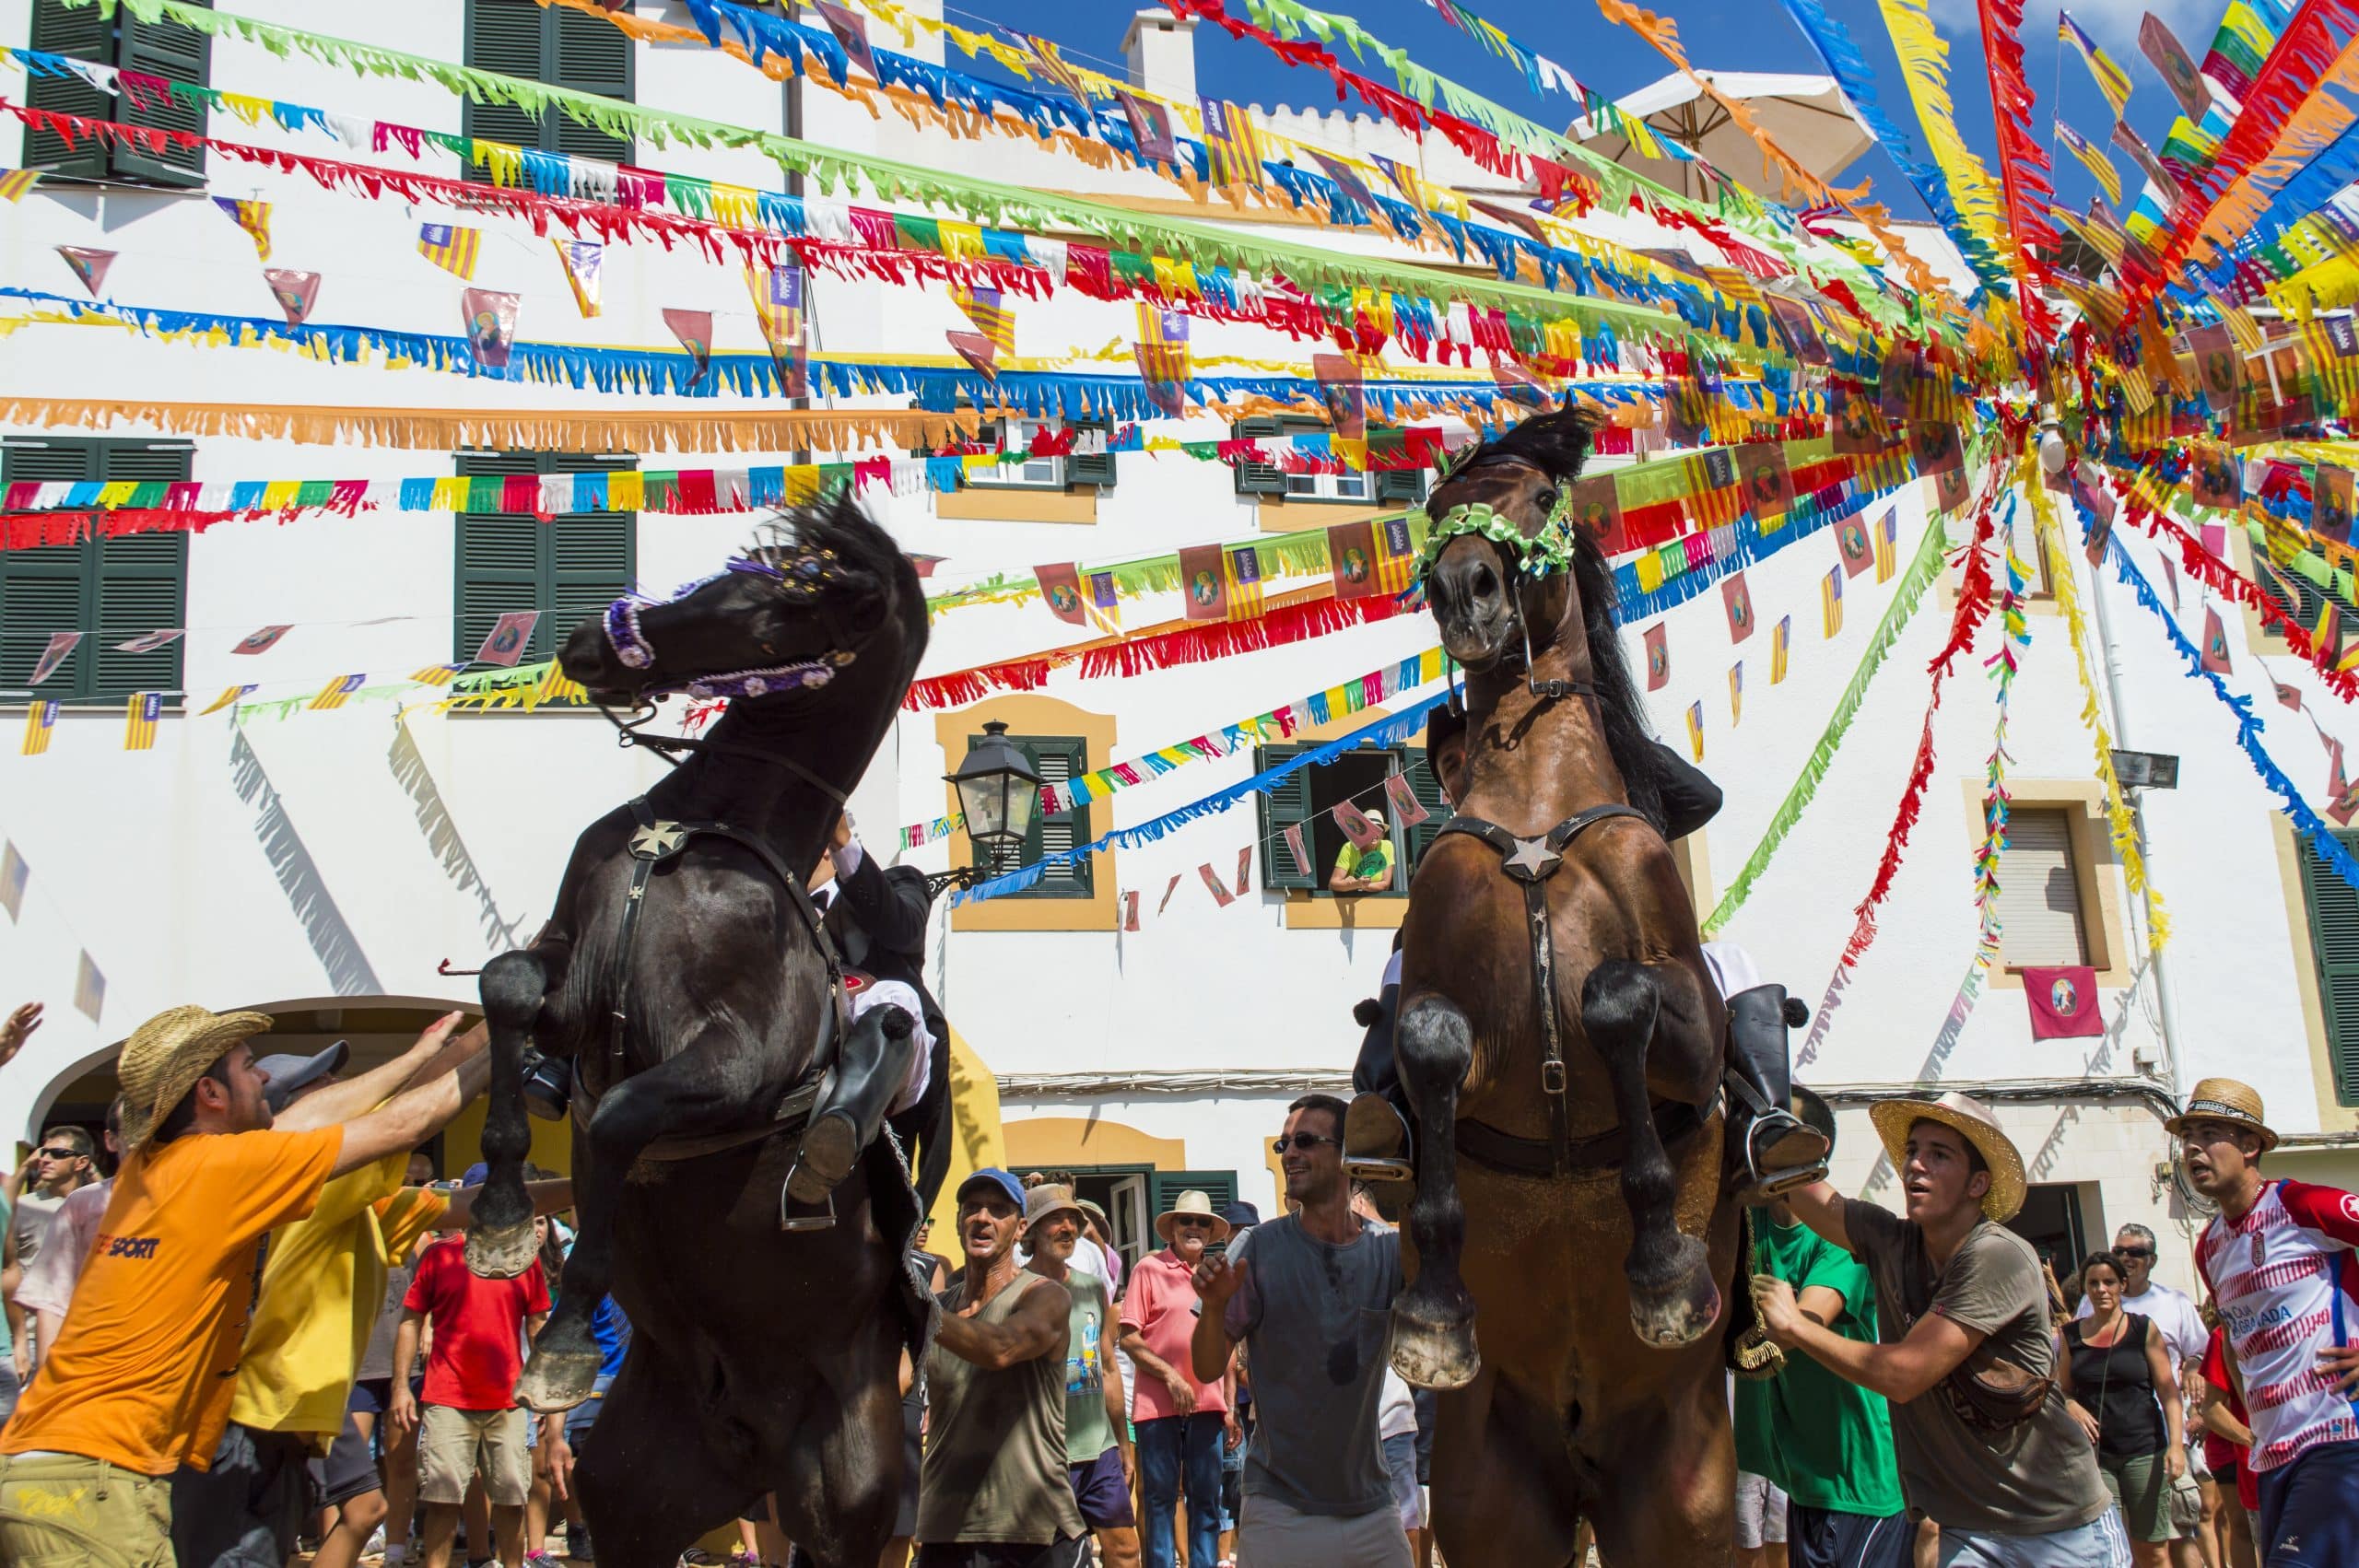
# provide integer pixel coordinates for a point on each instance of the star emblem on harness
(657, 840)
(1532, 860)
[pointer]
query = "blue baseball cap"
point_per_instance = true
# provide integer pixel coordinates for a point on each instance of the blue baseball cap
(998, 1179)
(476, 1175)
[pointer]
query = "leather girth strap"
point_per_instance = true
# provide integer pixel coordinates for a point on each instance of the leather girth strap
(1532, 861)
(656, 842)
(1486, 1145)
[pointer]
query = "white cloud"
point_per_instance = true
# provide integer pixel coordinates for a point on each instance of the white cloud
(2113, 23)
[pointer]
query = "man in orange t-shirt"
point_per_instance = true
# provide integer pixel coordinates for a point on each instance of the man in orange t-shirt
(140, 1381)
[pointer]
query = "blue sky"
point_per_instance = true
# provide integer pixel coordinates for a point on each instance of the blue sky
(1754, 35)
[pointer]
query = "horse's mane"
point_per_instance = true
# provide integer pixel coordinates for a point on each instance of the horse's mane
(1558, 444)
(840, 523)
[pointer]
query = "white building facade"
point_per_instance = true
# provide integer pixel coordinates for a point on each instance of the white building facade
(326, 866)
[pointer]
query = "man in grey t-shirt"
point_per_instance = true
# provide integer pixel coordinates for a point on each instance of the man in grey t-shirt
(1310, 1297)
(2007, 1493)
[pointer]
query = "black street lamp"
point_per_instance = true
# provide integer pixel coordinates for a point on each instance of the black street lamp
(998, 791)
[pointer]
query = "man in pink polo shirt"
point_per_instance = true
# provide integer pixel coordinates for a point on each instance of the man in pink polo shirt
(1179, 1420)
(2280, 1260)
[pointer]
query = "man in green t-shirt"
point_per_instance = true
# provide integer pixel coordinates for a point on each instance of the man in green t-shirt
(1827, 1441)
(1097, 1455)
(1364, 870)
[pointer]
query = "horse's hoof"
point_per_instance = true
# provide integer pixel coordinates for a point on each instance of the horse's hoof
(504, 1253)
(558, 1380)
(1682, 1311)
(1434, 1348)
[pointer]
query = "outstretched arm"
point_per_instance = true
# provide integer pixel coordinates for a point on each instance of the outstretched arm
(1820, 1207)
(891, 910)
(412, 1117)
(1037, 1328)
(434, 1053)
(1898, 1371)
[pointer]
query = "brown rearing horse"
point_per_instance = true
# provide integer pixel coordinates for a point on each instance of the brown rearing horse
(1598, 1390)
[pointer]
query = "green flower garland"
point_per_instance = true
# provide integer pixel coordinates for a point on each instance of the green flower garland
(1549, 551)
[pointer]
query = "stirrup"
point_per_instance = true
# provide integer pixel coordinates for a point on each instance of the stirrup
(794, 1216)
(1375, 1142)
(1779, 1125)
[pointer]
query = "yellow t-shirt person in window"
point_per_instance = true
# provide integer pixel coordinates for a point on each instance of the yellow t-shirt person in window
(1364, 870)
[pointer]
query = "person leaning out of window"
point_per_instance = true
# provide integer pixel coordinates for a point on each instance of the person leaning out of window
(1364, 870)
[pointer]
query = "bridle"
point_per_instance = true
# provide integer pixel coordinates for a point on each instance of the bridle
(802, 576)
(1539, 556)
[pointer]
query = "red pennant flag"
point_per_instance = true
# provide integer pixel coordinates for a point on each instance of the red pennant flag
(506, 642)
(1221, 894)
(1351, 555)
(850, 30)
(1168, 889)
(262, 641)
(980, 353)
(2330, 518)
(1768, 484)
(1936, 447)
(2216, 642)
(296, 292)
(1061, 587)
(1293, 836)
(60, 646)
(1404, 799)
(147, 642)
(694, 329)
(1130, 912)
(1596, 510)
(1737, 600)
(1150, 127)
(1355, 824)
(1340, 386)
(2289, 696)
(2169, 57)
(2063, 1002)
(1853, 542)
(1658, 656)
(491, 325)
(1204, 581)
(89, 266)
(1244, 867)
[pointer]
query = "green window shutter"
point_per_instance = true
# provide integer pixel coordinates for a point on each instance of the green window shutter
(110, 589)
(177, 52)
(1056, 758)
(508, 37)
(1427, 789)
(79, 32)
(591, 55)
(1258, 478)
(1405, 486)
(2334, 946)
(567, 569)
(1281, 806)
(1218, 1185)
(1092, 468)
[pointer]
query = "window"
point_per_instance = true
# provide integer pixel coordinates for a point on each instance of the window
(1399, 486)
(110, 589)
(1041, 472)
(2334, 946)
(1308, 796)
(2039, 891)
(1218, 1185)
(1055, 758)
(569, 567)
(160, 48)
(561, 47)
(2303, 606)
(2052, 1220)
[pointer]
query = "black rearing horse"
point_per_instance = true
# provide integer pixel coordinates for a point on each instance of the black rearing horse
(683, 973)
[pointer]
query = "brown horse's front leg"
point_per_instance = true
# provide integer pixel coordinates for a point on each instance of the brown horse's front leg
(1432, 1323)
(1672, 1298)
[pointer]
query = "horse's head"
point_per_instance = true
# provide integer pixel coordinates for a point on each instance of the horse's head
(824, 592)
(1503, 539)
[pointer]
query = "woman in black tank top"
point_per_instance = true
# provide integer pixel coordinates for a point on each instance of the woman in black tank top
(2125, 1396)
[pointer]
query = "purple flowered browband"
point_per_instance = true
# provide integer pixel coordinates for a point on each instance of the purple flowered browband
(803, 575)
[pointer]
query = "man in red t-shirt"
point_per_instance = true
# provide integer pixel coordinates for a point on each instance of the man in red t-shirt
(470, 1421)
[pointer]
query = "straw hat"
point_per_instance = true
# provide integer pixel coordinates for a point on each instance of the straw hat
(1965, 1116)
(166, 1055)
(1197, 1204)
(1045, 1200)
(2225, 1099)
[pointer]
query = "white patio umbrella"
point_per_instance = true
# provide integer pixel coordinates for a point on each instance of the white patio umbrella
(1808, 116)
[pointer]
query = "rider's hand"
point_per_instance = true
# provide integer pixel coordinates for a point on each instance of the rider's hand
(1183, 1393)
(1780, 1315)
(844, 830)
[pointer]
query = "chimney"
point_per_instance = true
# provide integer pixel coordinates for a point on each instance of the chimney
(1161, 49)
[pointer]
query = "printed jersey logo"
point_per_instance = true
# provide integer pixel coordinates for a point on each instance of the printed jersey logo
(126, 1246)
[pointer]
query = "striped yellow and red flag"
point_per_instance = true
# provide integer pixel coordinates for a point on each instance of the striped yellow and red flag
(40, 721)
(1232, 143)
(2112, 80)
(140, 720)
(1830, 600)
(452, 248)
(15, 183)
(1244, 583)
(437, 674)
(1396, 559)
(252, 216)
(333, 694)
(988, 309)
(2093, 159)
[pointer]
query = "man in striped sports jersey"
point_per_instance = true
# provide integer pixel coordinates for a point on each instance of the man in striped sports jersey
(2279, 1262)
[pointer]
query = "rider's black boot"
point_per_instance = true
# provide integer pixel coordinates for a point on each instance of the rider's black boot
(1780, 1151)
(871, 1070)
(548, 1085)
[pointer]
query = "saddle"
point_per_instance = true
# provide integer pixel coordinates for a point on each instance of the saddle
(1531, 862)
(656, 842)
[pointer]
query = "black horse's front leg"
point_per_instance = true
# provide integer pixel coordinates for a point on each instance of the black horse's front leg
(502, 1243)
(708, 1087)
(1432, 1323)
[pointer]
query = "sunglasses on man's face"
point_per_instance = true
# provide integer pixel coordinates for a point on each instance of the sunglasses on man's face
(2135, 1251)
(1308, 1143)
(61, 1154)
(1191, 1223)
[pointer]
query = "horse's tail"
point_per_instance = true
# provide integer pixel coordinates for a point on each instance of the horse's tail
(500, 1246)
